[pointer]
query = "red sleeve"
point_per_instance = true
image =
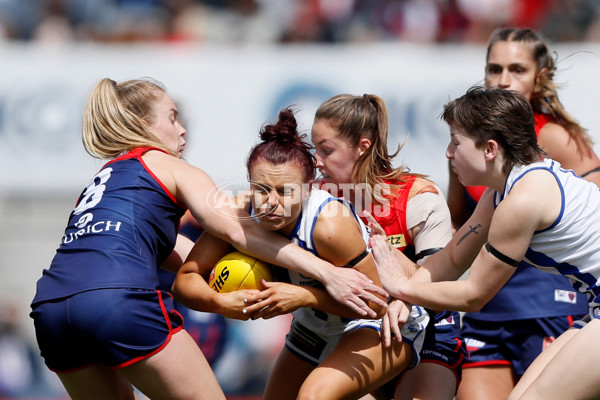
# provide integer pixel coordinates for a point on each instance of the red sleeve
(540, 120)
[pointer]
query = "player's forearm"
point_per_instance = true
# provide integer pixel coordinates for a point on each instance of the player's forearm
(249, 237)
(177, 257)
(408, 267)
(321, 300)
(447, 295)
(191, 290)
(347, 286)
(276, 249)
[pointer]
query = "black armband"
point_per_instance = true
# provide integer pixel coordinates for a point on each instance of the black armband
(502, 257)
(426, 253)
(352, 263)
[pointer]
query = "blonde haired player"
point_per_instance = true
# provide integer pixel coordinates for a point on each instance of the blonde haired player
(101, 323)
(330, 353)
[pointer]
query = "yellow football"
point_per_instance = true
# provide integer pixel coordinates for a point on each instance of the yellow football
(237, 271)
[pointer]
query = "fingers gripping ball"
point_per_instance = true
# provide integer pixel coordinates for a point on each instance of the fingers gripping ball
(237, 271)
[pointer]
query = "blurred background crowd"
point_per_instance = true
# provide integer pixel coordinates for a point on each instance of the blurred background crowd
(292, 21)
(245, 351)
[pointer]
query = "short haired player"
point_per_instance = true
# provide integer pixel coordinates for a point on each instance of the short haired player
(533, 210)
(533, 308)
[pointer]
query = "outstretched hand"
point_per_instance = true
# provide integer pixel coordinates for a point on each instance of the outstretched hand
(390, 270)
(354, 289)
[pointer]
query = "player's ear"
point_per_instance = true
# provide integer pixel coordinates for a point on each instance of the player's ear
(363, 145)
(490, 150)
(542, 72)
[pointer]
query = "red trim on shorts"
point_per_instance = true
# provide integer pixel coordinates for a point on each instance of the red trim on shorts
(486, 363)
(443, 364)
(459, 344)
(169, 336)
(164, 310)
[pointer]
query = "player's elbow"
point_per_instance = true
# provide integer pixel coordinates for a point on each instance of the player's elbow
(237, 237)
(472, 307)
(178, 291)
(231, 231)
(475, 302)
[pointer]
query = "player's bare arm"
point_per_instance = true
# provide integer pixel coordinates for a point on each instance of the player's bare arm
(183, 246)
(191, 288)
(349, 287)
(279, 298)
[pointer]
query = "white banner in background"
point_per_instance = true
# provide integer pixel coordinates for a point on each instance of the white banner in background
(225, 95)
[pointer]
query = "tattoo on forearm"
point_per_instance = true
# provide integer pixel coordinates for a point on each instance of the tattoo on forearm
(472, 229)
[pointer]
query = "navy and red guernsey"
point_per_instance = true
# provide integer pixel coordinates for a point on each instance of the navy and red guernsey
(123, 227)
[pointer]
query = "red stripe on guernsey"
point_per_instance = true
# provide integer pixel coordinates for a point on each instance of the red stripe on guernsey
(485, 363)
(571, 320)
(138, 153)
(169, 336)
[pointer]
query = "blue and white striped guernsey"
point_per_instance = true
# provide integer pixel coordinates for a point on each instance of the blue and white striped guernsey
(571, 245)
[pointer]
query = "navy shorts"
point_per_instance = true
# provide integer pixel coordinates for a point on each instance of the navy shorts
(116, 327)
(512, 343)
(444, 344)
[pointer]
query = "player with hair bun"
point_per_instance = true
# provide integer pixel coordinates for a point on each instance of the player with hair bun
(330, 352)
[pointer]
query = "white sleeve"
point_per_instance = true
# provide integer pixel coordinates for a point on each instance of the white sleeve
(428, 212)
